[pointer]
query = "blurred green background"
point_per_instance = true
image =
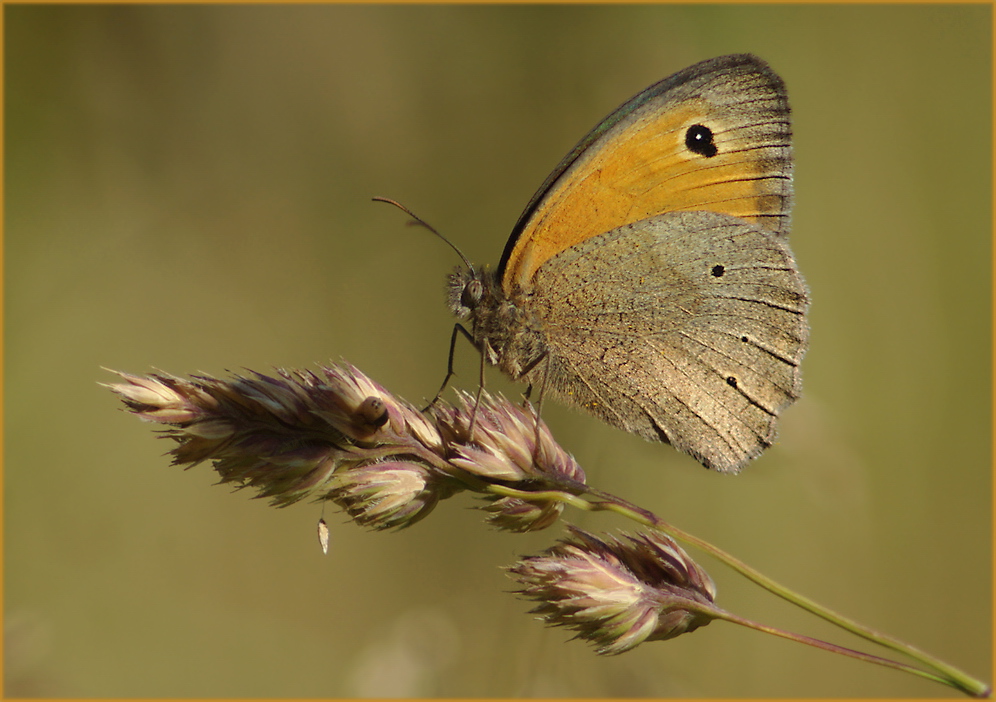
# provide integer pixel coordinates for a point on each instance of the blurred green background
(188, 188)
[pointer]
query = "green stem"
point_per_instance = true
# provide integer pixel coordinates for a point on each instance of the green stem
(832, 648)
(590, 499)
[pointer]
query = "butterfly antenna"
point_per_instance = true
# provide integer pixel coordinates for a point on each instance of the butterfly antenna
(418, 221)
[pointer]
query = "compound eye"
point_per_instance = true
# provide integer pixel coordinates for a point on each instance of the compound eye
(472, 293)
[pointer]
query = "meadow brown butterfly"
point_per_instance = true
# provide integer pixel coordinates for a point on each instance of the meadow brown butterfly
(649, 280)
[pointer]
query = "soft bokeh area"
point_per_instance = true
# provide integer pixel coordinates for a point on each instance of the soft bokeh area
(188, 188)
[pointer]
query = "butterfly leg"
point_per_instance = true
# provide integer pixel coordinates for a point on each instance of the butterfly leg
(457, 328)
(538, 408)
(477, 400)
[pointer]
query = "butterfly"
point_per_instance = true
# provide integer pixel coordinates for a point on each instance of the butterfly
(649, 280)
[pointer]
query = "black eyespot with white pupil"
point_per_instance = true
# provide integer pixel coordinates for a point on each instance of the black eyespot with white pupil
(699, 140)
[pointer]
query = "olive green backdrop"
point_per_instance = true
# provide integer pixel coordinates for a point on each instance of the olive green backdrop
(188, 188)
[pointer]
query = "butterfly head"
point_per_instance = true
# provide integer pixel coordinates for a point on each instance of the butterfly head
(465, 290)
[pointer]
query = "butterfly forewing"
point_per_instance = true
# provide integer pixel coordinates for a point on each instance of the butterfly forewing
(643, 161)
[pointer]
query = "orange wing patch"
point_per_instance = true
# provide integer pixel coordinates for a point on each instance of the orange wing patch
(642, 167)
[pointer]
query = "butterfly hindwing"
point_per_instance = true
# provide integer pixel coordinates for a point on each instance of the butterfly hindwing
(687, 327)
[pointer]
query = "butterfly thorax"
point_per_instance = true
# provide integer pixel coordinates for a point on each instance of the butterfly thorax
(501, 325)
